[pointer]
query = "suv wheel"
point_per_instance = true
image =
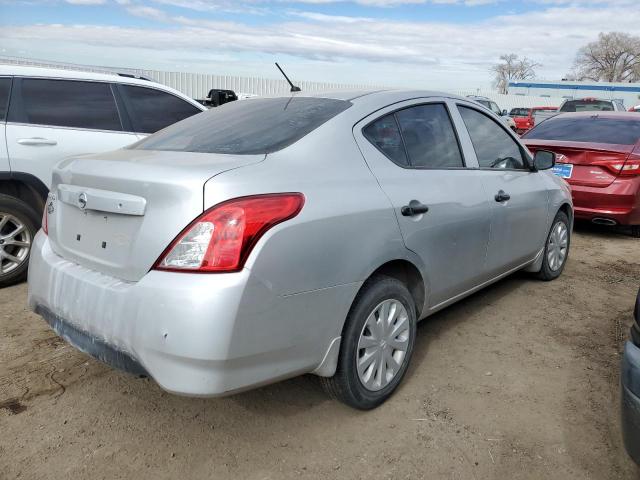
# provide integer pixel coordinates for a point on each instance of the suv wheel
(377, 344)
(635, 231)
(18, 227)
(556, 249)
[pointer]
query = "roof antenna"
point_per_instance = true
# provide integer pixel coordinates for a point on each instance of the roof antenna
(293, 87)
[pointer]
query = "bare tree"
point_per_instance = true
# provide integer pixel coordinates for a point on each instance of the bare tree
(614, 57)
(512, 68)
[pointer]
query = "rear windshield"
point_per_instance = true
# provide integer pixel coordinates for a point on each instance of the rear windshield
(245, 127)
(587, 106)
(587, 129)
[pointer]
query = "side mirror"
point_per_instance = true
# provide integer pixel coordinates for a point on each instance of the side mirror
(504, 113)
(544, 160)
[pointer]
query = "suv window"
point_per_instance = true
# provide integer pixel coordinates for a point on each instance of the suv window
(256, 126)
(384, 133)
(429, 137)
(494, 147)
(64, 103)
(5, 89)
(151, 110)
(587, 106)
(591, 128)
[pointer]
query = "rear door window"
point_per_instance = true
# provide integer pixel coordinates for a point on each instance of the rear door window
(494, 147)
(5, 89)
(429, 137)
(591, 128)
(384, 133)
(151, 110)
(64, 103)
(255, 126)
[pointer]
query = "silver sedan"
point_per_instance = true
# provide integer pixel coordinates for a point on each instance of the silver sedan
(280, 236)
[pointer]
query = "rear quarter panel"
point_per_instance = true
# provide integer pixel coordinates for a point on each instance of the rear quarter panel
(346, 229)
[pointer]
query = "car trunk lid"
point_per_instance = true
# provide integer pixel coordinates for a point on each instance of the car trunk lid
(589, 160)
(115, 213)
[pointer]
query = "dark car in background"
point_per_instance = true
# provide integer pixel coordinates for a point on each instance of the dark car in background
(599, 156)
(591, 104)
(630, 385)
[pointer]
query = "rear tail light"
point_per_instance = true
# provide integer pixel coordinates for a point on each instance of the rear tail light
(45, 222)
(221, 239)
(619, 167)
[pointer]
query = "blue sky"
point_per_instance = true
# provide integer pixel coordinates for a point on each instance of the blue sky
(414, 43)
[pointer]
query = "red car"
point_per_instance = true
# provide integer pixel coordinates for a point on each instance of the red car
(525, 117)
(599, 156)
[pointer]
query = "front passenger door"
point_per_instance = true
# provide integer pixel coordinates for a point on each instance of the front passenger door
(517, 195)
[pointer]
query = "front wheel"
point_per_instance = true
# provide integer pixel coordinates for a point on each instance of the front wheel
(635, 231)
(18, 227)
(556, 249)
(377, 344)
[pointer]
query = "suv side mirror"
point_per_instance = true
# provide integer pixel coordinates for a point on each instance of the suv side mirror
(544, 160)
(505, 113)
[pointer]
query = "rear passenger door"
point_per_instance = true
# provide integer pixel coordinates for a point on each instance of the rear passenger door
(150, 109)
(51, 119)
(441, 206)
(517, 195)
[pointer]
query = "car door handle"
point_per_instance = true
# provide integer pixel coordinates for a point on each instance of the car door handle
(501, 196)
(414, 208)
(36, 141)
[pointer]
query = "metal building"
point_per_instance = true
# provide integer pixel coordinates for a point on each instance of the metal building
(629, 93)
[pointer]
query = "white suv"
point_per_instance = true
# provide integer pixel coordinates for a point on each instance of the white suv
(47, 115)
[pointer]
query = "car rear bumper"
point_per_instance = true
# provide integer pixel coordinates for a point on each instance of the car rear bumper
(619, 202)
(195, 334)
(630, 398)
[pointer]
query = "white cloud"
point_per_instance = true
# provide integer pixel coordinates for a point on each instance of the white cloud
(86, 2)
(420, 50)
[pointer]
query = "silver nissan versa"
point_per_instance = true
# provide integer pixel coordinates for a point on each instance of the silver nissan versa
(280, 236)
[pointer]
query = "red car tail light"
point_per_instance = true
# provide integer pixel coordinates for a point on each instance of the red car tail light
(221, 239)
(627, 169)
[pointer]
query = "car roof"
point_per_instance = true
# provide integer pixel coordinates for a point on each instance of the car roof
(29, 71)
(365, 97)
(61, 73)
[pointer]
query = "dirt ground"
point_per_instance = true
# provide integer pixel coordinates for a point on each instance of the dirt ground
(519, 381)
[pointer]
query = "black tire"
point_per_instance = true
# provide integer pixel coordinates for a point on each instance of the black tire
(21, 211)
(346, 385)
(635, 231)
(547, 273)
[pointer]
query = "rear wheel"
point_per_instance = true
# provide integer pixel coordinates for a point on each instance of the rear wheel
(18, 226)
(377, 344)
(635, 231)
(556, 250)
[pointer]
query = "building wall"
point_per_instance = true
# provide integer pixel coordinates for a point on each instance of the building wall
(629, 93)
